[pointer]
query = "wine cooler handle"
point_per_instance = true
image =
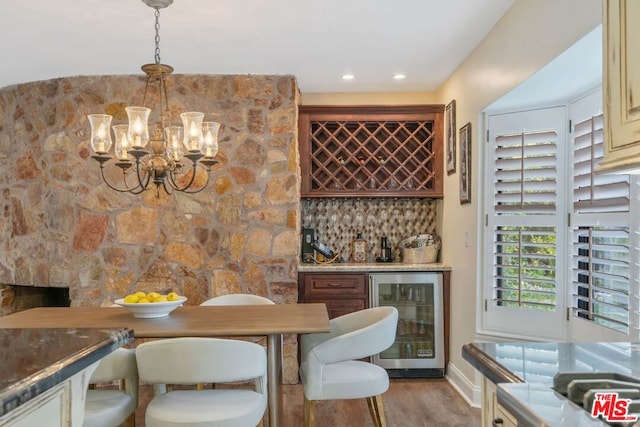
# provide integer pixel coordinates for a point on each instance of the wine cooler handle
(373, 298)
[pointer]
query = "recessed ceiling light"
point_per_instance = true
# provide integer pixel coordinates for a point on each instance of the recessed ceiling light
(348, 77)
(399, 76)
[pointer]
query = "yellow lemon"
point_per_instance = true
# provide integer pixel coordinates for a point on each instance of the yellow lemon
(161, 298)
(151, 296)
(131, 298)
(140, 294)
(144, 301)
(172, 296)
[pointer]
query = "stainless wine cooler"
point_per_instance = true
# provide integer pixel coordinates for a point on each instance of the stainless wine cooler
(418, 350)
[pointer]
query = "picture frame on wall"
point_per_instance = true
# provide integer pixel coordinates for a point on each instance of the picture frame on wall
(465, 164)
(450, 123)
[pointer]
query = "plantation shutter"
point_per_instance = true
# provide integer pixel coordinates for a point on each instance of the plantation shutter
(591, 192)
(525, 267)
(601, 275)
(526, 172)
(524, 217)
(600, 231)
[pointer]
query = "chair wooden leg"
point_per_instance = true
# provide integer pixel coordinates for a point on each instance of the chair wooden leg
(309, 412)
(376, 409)
(373, 411)
(131, 421)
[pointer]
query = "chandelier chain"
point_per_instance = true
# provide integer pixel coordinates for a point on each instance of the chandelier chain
(157, 39)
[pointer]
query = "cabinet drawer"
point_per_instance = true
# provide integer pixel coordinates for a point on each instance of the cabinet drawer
(334, 285)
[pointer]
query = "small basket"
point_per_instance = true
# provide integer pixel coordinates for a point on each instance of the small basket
(414, 251)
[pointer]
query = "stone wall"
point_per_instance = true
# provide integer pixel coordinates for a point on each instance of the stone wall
(62, 227)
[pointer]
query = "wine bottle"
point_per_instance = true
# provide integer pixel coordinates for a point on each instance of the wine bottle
(359, 249)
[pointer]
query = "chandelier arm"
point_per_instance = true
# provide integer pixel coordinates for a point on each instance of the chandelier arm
(169, 190)
(185, 191)
(172, 183)
(133, 190)
(193, 177)
(139, 166)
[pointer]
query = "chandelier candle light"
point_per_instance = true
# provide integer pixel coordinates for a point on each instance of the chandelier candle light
(196, 140)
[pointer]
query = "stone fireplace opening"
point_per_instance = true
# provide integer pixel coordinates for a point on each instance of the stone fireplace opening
(14, 298)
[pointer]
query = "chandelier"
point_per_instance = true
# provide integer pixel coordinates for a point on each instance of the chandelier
(166, 162)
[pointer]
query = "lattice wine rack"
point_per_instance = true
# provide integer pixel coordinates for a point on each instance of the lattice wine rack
(371, 151)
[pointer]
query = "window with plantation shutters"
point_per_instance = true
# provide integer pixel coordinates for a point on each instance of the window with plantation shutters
(561, 242)
(523, 221)
(601, 266)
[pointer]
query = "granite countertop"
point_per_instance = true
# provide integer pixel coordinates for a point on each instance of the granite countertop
(524, 371)
(371, 266)
(35, 360)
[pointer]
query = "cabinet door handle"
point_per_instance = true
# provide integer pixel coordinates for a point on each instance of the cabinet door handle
(334, 285)
(497, 421)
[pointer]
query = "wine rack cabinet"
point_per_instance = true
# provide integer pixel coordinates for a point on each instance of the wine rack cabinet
(371, 151)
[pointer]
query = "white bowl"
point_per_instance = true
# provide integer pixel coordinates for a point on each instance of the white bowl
(151, 310)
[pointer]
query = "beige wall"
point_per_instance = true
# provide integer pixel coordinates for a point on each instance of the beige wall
(530, 35)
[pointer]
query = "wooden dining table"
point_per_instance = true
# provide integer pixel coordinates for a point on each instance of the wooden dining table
(270, 320)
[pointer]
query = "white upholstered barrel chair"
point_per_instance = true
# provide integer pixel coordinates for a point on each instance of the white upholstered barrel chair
(237, 299)
(330, 369)
(189, 361)
(110, 407)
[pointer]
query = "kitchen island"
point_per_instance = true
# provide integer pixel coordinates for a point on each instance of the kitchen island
(45, 372)
(518, 378)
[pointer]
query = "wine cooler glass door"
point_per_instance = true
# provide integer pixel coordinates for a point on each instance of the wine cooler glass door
(419, 334)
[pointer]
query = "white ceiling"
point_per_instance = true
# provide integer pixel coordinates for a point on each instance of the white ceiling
(315, 40)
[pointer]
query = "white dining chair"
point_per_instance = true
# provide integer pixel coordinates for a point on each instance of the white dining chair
(329, 368)
(237, 299)
(110, 407)
(192, 360)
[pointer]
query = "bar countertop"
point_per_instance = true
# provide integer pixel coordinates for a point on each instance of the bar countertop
(35, 360)
(371, 266)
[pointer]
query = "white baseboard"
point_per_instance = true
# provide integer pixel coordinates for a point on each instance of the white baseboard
(467, 389)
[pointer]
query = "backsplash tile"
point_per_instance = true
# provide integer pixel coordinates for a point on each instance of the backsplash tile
(337, 222)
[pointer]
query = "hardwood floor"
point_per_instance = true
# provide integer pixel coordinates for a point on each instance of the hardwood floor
(408, 403)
